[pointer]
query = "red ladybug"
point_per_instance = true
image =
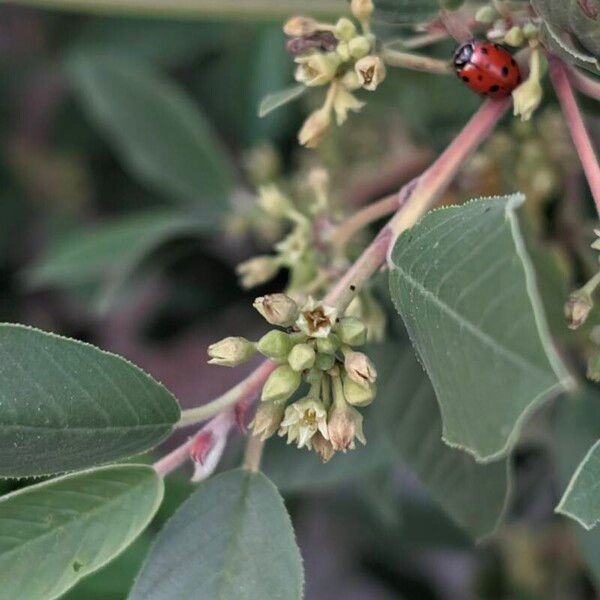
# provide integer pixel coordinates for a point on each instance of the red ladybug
(487, 68)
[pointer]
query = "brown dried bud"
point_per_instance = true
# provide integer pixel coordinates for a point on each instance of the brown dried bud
(322, 447)
(360, 368)
(578, 308)
(370, 71)
(267, 419)
(277, 309)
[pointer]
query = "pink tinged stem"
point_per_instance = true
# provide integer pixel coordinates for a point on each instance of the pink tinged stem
(216, 431)
(586, 85)
(579, 134)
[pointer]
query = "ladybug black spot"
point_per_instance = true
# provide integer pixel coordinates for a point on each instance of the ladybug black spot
(480, 77)
(484, 50)
(505, 71)
(513, 62)
(493, 89)
(519, 80)
(465, 79)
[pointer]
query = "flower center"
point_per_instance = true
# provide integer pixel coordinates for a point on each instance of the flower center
(310, 418)
(316, 319)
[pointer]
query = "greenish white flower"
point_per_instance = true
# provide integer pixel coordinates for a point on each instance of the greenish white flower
(257, 270)
(231, 351)
(316, 320)
(302, 420)
(317, 69)
(371, 71)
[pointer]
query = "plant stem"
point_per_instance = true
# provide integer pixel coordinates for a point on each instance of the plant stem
(586, 85)
(418, 41)
(456, 26)
(579, 134)
(243, 390)
(416, 62)
(253, 454)
(346, 230)
(195, 9)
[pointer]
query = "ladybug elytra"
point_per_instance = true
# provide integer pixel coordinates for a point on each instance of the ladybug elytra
(487, 68)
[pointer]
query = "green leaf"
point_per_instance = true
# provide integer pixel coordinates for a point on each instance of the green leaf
(54, 533)
(466, 290)
(474, 495)
(572, 30)
(111, 249)
(275, 100)
(231, 539)
(158, 132)
(581, 500)
(65, 405)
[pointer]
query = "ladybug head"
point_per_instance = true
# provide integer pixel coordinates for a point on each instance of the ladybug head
(463, 55)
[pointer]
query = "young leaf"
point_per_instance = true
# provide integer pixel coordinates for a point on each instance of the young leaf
(408, 417)
(54, 533)
(231, 539)
(65, 405)
(159, 133)
(466, 289)
(275, 100)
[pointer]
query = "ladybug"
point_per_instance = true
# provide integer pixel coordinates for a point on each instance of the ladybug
(487, 68)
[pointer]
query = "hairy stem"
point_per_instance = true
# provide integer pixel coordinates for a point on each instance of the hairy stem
(416, 62)
(243, 390)
(581, 138)
(586, 85)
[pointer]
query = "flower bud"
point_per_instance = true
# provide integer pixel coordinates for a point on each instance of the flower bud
(514, 37)
(343, 51)
(362, 9)
(486, 15)
(531, 31)
(275, 345)
(344, 102)
(257, 270)
(322, 447)
(317, 69)
(357, 394)
(314, 128)
(324, 362)
(301, 357)
(351, 81)
(201, 445)
(352, 331)
(360, 368)
(267, 419)
(595, 335)
(299, 26)
(281, 384)
(327, 345)
(593, 367)
(578, 308)
(316, 320)
(273, 202)
(371, 71)
(231, 352)
(277, 309)
(528, 96)
(345, 424)
(359, 46)
(345, 29)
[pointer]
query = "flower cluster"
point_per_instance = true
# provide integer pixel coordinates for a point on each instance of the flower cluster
(340, 55)
(516, 27)
(317, 348)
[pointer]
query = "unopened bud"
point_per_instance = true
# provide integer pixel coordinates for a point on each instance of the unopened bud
(324, 362)
(317, 69)
(362, 9)
(267, 419)
(315, 128)
(257, 270)
(345, 29)
(231, 352)
(486, 15)
(277, 309)
(352, 331)
(531, 31)
(299, 26)
(328, 345)
(201, 446)
(344, 425)
(359, 46)
(360, 368)
(351, 81)
(528, 96)
(593, 367)
(275, 345)
(371, 71)
(578, 308)
(322, 447)
(281, 384)
(301, 357)
(273, 201)
(343, 51)
(514, 37)
(357, 394)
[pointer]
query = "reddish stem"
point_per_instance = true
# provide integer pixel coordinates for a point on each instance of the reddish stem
(581, 138)
(586, 85)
